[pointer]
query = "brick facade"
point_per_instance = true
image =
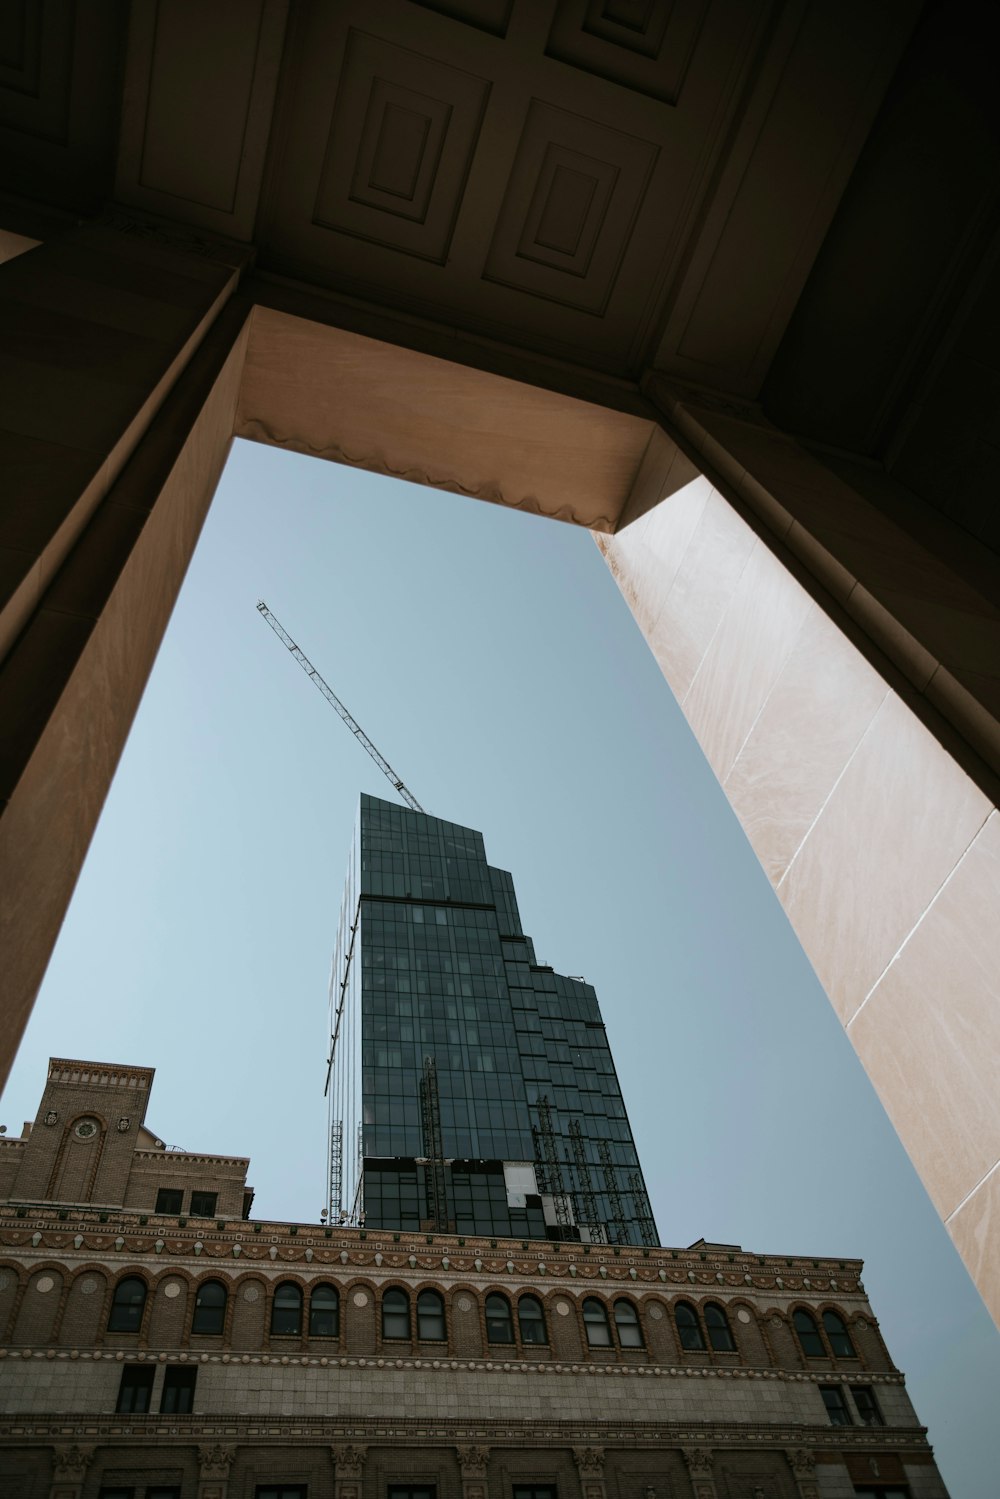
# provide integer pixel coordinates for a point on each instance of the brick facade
(349, 1410)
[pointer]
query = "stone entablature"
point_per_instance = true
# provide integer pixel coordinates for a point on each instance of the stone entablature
(386, 1252)
(71, 1073)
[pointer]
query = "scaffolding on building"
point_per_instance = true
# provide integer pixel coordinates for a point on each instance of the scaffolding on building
(547, 1158)
(647, 1229)
(336, 1205)
(434, 1168)
(614, 1194)
(583, 1195)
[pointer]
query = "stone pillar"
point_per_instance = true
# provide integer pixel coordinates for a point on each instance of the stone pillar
(590, 1466)
(69, 1469)
(114, 341)
(348, 1470)
(699, 1466)
(803, 1466)
(473, 1463)
(214, 1464)
(830, 647)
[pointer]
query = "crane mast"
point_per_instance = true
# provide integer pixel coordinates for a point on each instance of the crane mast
(332, 698)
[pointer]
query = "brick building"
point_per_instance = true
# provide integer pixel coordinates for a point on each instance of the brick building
(156, 1343)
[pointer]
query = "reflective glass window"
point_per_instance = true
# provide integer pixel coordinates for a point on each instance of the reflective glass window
(127, 1304)
(689, 1328)
(499, 1323)
(395, 1314)
(627, 1325)
(808, 1332)
(595, 1322)
(209, 1308)
(719, 1333)
(324, 1312)
(286, 1310)
(531, 1320)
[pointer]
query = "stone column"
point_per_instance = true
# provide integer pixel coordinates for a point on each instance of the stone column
(69, 1469)
(803, 1466)
(830, 647)
(114, 340)
(473, 1463)
(348, 1469)
(590, 1466)
(214, 1464)
(699, 1466)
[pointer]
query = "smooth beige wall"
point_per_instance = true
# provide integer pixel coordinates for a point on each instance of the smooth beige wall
(884, 852)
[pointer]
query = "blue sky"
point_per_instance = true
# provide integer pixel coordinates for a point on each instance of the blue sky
(491, 658)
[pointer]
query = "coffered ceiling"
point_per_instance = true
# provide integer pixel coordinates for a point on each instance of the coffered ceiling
(612, 183)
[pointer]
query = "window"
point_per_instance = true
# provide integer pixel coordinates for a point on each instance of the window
(324, 1312)
(169, 1200)
(534, 1491)
(127, 1304)
(395, 1314)
(286, 1310)
(203, 1204)
(136, 1387)
(689, 1328)
(280, 1491)
(812, 1343)
(719, 1333)
(405, 1491)
(627, 1325)
(531, 1320)
(430, 1317)
(836, 1405)
(595, 1322)
(499, 1323)
(840, 1338)
(864, 1399)
(209, 1308)
(178, 1390)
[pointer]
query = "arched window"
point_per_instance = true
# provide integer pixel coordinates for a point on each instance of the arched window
(840, 1338)
(499, 1323)
(430, 1317)
(689, 1328)
(627, 1325)
(719, 1334)
(595, 1322)
(286, 1310)
(209, 1307)
(531, 1320)
(812, 1343)
(324, 1312)
(127, 1304)
(395, 1314)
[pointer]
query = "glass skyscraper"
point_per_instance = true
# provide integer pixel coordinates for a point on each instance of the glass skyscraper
(471, 1090)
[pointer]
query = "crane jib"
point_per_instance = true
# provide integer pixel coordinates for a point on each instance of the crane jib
(334, 700)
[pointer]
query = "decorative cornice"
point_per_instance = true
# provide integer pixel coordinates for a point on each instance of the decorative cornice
(451, 1365)
(695, 1270)
(173, 1430)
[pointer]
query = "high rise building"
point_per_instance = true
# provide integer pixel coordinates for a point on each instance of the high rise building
(472, 1088)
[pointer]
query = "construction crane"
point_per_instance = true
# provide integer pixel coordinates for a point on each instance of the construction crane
(331, 697)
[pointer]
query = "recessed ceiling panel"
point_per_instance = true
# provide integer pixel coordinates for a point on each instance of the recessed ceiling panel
(569, 209)
(488, 15)
(399, 147)
(642, 44)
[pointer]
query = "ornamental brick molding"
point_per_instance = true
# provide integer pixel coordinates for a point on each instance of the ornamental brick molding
(589, 1461)
(473, 1461)
(71, 1463)
(348, 1467)
(590, 1465)
(215, 1461)
(803, 1466)
(699, 1466)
